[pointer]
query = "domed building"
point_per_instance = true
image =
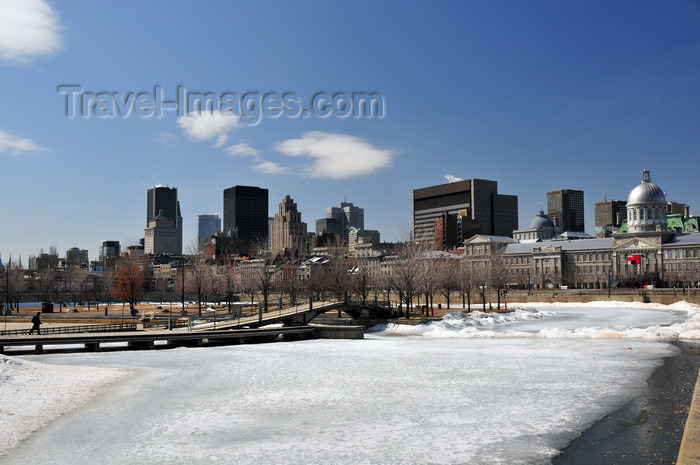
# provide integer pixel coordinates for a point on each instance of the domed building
(541, 229)
(646, 207)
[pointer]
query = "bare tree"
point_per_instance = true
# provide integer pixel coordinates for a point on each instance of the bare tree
(466, 282)
(264, 273)
(498, 276)
(85, 284)
(47, 280)
(292, 284)
(161, 286)
(199, 281)
(429, 275)
(105, 285)
(361, 283)
(315, 285)
(249, 285)
(228, 275)
(405, 275)
(480, 276)
(385, 285)
(449, 278)
(336, 273)
(16, 284)
(71, 282)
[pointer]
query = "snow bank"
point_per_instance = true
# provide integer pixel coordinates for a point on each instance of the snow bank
(484, 325)
(34, 394)
(455, 323)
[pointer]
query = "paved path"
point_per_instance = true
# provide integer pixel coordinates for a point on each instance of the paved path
(689, 453)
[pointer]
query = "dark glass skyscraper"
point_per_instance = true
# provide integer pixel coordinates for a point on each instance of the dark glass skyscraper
(246, 214)
(565, 208)
(165, 198)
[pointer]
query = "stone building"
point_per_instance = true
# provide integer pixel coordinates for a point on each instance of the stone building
(162, 236)
(288, 231)
(541, 229)
(647, 254)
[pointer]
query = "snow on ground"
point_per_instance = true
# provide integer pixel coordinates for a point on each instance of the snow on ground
(514, 322)
(34, 394)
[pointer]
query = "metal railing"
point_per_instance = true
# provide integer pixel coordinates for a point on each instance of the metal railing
(106, 328)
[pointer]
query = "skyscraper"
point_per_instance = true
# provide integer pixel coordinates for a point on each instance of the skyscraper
(565, 208)
(341, 219)
(162, 200)
(288, 231)
(207, 226)
(108, 254)
(476, 202)
(162, 237)
(246, 214)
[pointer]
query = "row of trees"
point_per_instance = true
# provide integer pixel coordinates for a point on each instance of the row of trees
(413, 278)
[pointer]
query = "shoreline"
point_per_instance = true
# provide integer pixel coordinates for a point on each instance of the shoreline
(649, 428)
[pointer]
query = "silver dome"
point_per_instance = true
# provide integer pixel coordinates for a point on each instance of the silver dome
(646, 193)
(541, 221)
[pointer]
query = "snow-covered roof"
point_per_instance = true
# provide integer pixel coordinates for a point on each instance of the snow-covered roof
(488, 238)
(566, 235)
(571, 245)
(684, 239)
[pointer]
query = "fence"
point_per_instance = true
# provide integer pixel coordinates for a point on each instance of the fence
(107, 328)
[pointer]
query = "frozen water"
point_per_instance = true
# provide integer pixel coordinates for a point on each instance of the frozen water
(474, 389)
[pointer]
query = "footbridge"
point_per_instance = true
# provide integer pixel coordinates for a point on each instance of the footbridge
(301, 315)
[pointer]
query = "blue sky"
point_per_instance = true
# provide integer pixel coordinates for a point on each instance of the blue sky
(537, 95)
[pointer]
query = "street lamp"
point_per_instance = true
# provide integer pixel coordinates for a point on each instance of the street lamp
(171, 285)
(281, 287)
(529, 282)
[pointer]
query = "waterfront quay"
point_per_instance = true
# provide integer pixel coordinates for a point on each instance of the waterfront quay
(144, 340)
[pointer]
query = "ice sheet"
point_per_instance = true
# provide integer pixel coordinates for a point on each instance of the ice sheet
(34, 394)
(518, 393)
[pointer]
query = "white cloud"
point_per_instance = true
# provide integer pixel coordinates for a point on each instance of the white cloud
(337, 156)
(28, 28)
(14, 145)
(451, 178)
(269, 167)
(242, 149)
(209, 125)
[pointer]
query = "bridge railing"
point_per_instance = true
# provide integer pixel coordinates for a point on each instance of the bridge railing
(105, 328)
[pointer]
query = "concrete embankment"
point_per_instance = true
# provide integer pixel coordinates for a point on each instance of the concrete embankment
(689, 453)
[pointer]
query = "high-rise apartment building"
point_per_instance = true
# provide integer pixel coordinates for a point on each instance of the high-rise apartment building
(288, 231)
(207, 226)
(341, 219)
(162, 201)
(77, 257)
(565, 208)
(246, 215)
(476, 202)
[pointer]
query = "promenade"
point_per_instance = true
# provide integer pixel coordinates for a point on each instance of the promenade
(690, 444)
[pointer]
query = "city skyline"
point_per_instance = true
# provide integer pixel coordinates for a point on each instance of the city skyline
(536, 97)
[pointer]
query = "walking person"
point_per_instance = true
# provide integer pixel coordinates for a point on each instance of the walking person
(36, 323)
